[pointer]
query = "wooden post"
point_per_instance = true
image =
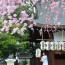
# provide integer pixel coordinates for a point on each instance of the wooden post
(42, 33)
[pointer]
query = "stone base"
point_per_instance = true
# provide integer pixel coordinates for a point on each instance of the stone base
(10, 61)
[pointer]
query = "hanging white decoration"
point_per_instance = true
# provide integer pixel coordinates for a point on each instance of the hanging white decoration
(63, 46)
(42, 45)
(58, 44)
(38, 53)
(47, 45)
(53, 46)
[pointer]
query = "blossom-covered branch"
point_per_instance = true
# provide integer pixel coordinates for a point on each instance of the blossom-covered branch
(13, 14)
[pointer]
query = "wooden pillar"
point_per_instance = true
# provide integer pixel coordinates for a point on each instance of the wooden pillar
(51, 57)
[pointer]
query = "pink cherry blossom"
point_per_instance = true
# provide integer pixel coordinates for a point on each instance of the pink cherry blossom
(57, 12)
(30, 26)
(62, 6)
(21, 22)
(34, 23)
(9, 1)
(22, 30)
(53, 4)
(23, 4)
(17, 21)
(18, 24)
(55, 19)
(8, 10)
(25, 24)
(20, 19)
(14, 15)
(0, 12)
(6, 28)
(4, 13)
(11, 9)
(19, 31)
(24, 14)
(19, 1)
(16, 1)
(1, 3)
(10, 17)
(23, 19)
(5, 22)
(14, 30)
(42, 1)
(14, 20)
(32, 29)
(64, 9)
(10, 23)
(52, 9)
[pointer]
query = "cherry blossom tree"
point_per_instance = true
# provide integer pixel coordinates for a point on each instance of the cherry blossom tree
(55, 9)
(13, 15)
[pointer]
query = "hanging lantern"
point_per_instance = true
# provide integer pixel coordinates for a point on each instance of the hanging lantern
(42, 45)
(47, 45)
(58, 44)
(63, 46)
(38, 53)
(53, 45)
